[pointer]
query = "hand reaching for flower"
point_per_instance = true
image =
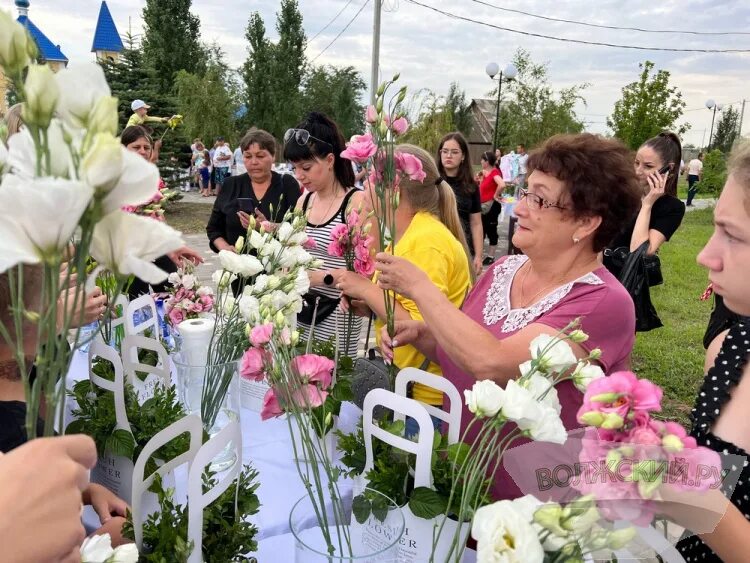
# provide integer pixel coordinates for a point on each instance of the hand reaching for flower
(400, 275)
(185, 254)
(353, 285)
(406, 332)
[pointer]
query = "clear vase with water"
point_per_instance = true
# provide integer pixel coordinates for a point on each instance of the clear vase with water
(336, 536)
(190, 384)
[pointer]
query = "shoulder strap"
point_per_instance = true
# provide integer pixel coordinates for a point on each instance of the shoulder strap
(306, 202)
(345, 204)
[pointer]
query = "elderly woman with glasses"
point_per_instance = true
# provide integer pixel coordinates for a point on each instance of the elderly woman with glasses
(581, 192)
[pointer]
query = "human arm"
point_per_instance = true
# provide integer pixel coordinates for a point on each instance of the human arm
(658, 219)
(156, 151)
(360, 288)
(185, 254)
(40, 498)
(216, 229)
(477, 235)
(500, 183)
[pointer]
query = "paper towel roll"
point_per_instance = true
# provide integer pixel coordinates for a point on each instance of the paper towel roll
(196, 336)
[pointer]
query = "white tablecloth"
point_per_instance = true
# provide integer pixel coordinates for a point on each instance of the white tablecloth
(267, 446)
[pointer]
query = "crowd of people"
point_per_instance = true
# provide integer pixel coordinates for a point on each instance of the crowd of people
(581, 201)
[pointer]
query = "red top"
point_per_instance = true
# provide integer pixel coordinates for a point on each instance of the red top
(488, 186)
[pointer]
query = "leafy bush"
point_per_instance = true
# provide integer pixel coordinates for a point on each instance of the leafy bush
(714, 173)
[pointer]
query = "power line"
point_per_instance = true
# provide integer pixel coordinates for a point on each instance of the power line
(332, 20)
(602, 26)
(725, 105)
(351, 21)
(580, 41)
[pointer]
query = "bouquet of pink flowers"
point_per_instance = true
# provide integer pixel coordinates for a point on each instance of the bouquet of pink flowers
(636, 453)
(352, 241)
(187, 299)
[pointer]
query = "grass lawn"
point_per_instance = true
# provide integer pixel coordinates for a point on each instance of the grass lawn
(672, 356)
(188, 217)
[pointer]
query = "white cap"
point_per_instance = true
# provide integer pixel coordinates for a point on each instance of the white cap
(138, 104)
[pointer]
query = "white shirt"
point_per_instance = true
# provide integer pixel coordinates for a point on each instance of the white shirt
(695, 167)
(222, 150)
(239, 163)
(522, 158)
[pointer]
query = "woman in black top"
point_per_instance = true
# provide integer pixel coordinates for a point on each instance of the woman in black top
(268, 194)
(661, 211)
(454, 165)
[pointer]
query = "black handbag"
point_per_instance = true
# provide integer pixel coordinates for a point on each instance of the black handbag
(615, 258)
(316, 308)
(635, 279)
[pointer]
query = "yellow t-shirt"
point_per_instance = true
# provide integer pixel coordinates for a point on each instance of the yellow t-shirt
(136, 119)
(429, 245)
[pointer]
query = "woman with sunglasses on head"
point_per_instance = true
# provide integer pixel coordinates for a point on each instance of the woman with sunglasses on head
(454, 165)
(314, 148)
(581, 192)
(657, 165)
(260, 192)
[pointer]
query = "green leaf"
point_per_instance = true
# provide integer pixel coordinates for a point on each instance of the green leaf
(120, 442)
(76, 427)
(380, 508)
(426, 503)
(457, 453)
(361, 508)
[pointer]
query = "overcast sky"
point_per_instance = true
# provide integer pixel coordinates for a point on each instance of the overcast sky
(430, 50)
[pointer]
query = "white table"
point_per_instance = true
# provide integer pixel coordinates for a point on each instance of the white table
(267, 446)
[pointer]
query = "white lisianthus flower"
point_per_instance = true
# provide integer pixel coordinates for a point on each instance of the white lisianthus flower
(37, 217)
(272, 282)
(103, 116)
(557, 358)
(97, 549)
(228, 303)
(298, 238)
(525, 368)
(188, 281)
(302, 282)
(504, 535)
(271, 247)
(22, 155)
(540, 386)
(3, 158)
(485, 399)
(586, 373)
(204, 290)
(315, 264)
(257, 240)
(81, 86)
(128, 244)
(261, 281)
(520, 405)
(249, 308)
(279, 300)
(295, 303)
(137, 184)
(127, 553)
(284, 232)
(223, 279)
(174, 278)
(16, 45)
(548, 427)
(42, 94)
(240, 264)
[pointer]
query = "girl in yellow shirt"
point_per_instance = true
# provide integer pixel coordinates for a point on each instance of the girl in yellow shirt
(428, 234)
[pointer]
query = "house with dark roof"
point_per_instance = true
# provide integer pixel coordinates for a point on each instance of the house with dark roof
(107, 42)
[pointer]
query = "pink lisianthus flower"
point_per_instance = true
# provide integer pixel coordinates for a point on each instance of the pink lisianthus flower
(314, 369)
(339, 240)
(261, 335)
(400, 126)
(176, 316)
(195, 307)
(371, 114)
(252, 364)
(360, 148)
(207, 301)
(310, 244)
(352, 220)
(271, 407)
(618, 397)
(410, 165)
(362, 248)
(309, 396)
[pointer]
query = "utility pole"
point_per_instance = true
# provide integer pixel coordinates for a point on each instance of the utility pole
(742, 116)
(374, 74)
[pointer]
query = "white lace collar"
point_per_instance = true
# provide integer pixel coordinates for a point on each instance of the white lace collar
(497, 304)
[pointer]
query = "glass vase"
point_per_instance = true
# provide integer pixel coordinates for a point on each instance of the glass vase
(190, 384)
(346, 540)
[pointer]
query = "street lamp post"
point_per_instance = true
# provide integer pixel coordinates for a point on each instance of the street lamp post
(711, 105)
(494, 72)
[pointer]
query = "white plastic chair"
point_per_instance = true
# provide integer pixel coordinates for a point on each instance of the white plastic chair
(158, 374)
(142, 303)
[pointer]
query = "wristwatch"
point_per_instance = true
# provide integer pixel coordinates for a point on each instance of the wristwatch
(328, 279)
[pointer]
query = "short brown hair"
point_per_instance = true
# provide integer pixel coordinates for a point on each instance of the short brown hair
(261, 138)
(599, 177)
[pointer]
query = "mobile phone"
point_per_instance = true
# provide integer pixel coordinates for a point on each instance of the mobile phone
(246, 204)
(666, 168)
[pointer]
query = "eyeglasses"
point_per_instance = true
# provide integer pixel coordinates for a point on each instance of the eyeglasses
(536, 202)
(302, 136)
(449, 152)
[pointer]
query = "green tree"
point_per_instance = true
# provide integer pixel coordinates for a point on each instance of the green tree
(459, 109)
(532, 110)
(648, 106)
(726, 130)
(430, 121)
(257, 75)
(337, 93)
(714, 173)
(288, 67)
(171, 40)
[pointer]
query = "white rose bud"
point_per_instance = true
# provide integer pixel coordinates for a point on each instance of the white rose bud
(585, 374)
(103, 116)
(552, 353)
(485, 399)
(16, 47)
(42, 95)
(578, 336)
(239, 244)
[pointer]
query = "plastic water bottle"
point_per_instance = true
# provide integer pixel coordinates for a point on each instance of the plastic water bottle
(85, 335)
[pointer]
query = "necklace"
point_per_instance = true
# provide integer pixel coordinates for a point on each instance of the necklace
(334, 199)
(526, 302)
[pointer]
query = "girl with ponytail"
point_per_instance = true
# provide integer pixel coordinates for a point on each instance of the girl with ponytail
(430, 235)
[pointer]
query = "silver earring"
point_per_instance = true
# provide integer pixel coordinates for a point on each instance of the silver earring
(576, 240)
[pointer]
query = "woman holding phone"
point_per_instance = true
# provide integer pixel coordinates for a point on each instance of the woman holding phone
(657, 165)
(260, 192)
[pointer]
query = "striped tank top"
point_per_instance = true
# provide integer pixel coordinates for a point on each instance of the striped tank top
(336, 321)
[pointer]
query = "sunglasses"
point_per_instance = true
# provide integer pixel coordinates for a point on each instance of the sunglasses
(302, 136)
